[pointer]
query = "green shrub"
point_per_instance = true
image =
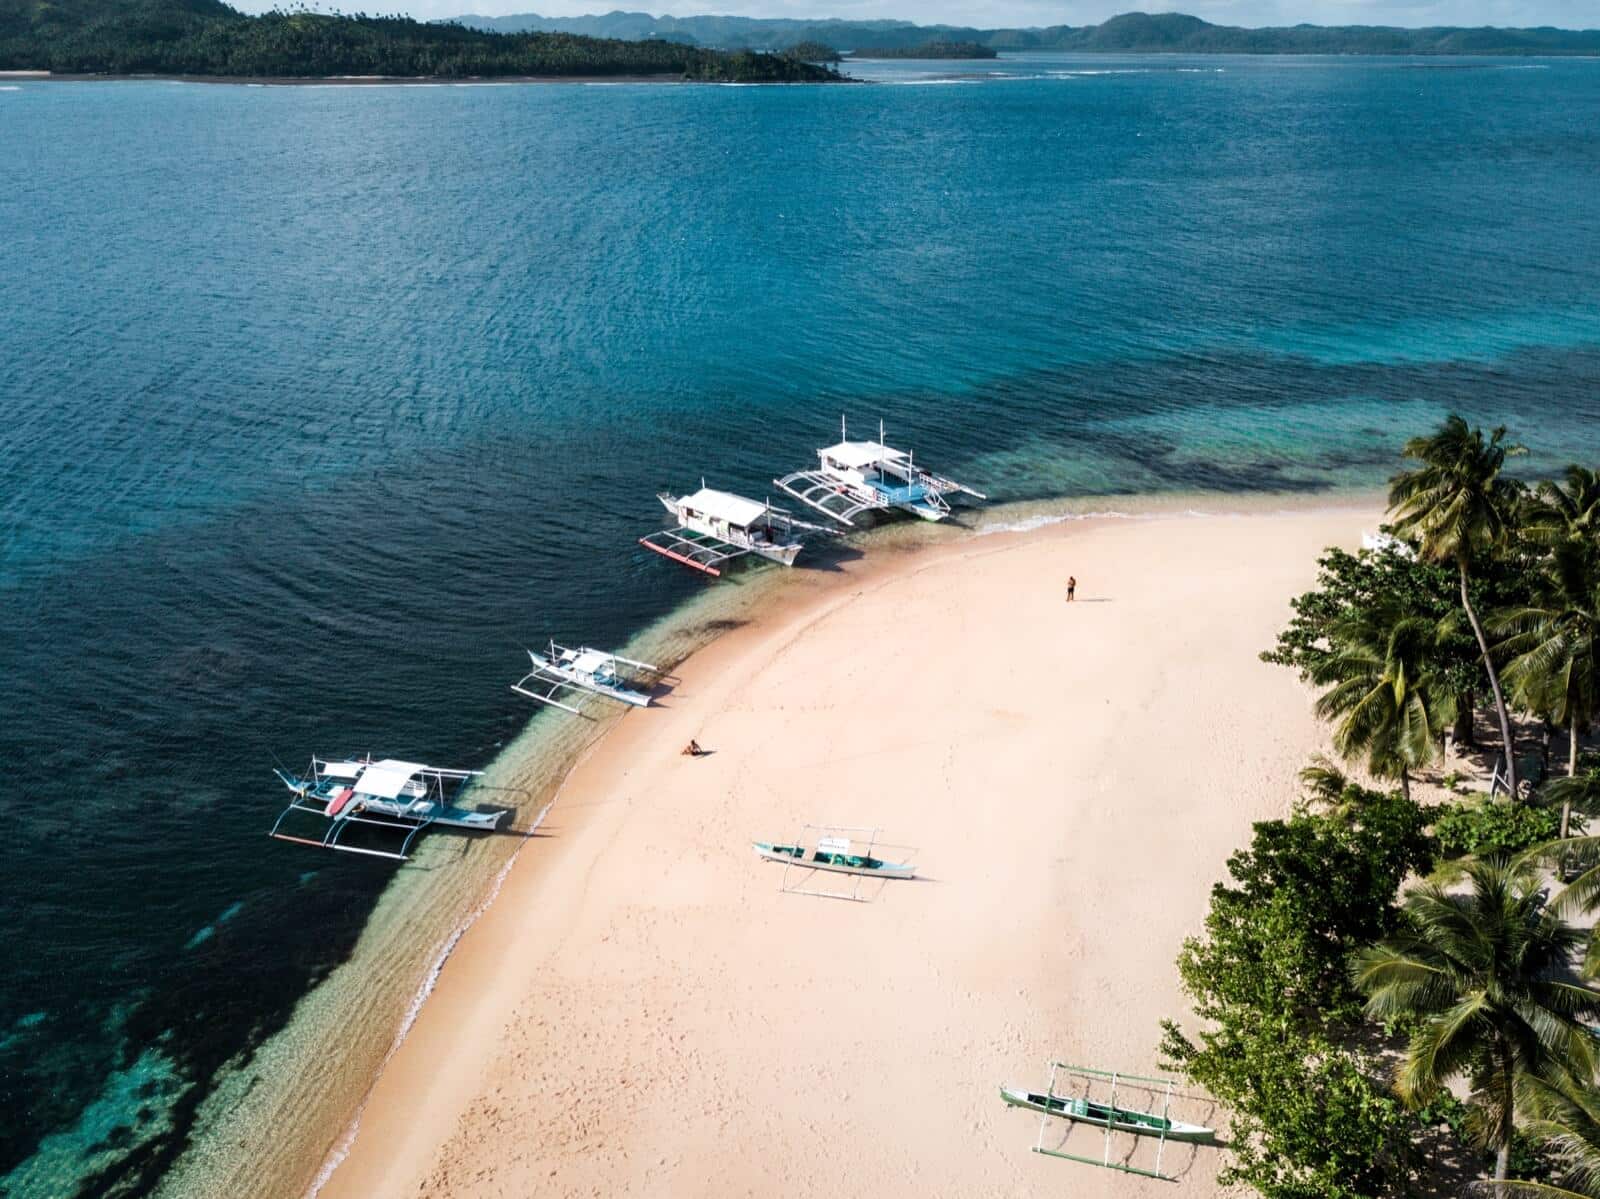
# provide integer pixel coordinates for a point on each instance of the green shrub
(1485, 829)
(1311, 1115)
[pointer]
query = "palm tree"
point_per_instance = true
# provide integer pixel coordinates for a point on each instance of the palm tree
(1385, 694)
(1575, 793)
(1563, 1115)
(1486, 974)
(1457, 508)
(1556, 643)
(1568, 510)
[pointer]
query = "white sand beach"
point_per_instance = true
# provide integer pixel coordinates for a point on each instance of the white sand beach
(642, 1012)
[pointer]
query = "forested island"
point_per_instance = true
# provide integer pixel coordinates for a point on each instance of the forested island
(209, 39)
(813, 52)
(929, 50)
(1130, 33)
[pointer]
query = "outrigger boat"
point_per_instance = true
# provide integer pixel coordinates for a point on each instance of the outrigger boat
(853, 477)
(714, 527)
(402, 797)
(560, 670)
(1105, 1115)
(835, 854)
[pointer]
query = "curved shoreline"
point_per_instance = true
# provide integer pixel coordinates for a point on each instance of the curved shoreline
(313, 1075)
(424, 1058)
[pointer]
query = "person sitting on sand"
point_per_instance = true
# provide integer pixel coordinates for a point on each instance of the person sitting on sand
(693, 748)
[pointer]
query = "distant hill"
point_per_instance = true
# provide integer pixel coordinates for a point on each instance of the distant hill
(1134, 32)
(206, 37)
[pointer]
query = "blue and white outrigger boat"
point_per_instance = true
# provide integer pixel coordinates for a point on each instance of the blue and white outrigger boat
(399, 797)
(853, 477)
(560, 671)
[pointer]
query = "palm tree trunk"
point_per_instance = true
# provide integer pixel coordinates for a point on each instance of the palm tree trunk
(1572, 769)
(1467, 709)
(1508, 1076)
(1405, 783)
(1494, 684)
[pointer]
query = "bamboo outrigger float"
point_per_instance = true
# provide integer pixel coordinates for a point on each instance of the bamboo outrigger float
(854, 477)
(714, 527)
(563, 672)
(400, 797)
(1109, 1115)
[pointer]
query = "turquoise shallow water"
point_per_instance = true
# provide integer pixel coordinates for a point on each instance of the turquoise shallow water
(320, 402)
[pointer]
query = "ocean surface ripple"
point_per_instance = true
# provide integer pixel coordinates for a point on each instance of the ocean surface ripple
(321, 403)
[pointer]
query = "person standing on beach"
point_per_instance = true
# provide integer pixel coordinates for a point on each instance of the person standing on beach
(1072, 587)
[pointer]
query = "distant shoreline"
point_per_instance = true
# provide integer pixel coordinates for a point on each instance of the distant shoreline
(338, 80)
(1127, 33)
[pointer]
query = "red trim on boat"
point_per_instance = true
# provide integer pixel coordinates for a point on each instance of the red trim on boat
(340, 798)
(710, 570)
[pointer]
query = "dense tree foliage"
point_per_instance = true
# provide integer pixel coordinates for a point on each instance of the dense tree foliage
(1306, 893)
(1485, 830)
(1310, 1114)
(1386, 693)
(929, 50)
(813, 51)
(205, 37)
(1484, 581)
(1456, 505)
(1553, 642)
(1350, 585)
(1485, 978)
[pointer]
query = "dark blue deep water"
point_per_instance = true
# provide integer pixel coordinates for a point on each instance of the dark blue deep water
(317, 403)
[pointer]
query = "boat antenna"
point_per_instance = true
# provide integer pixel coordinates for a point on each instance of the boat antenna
(843, 436)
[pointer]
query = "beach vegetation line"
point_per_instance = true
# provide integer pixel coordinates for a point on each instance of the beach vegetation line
(1369, 1042)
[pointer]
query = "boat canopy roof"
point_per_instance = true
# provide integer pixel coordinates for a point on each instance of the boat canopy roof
(591, 661)
(853, 454)
(385, 779)
(734, 509)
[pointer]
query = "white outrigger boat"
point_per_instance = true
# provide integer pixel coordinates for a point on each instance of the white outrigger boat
(714, 527)
(853, 477)
(401, 797)
(830, 849)
(560, 670)
(836, 855)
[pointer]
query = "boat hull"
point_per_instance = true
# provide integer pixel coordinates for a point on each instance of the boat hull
(623, 695)
(786, 854)
(724, 541)
(784, 555)
(1140, 1124)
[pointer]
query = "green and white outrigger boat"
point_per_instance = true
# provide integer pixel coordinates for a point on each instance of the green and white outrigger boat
(1099, 1101)
(1103, 1115)
(835, 854)
(836, 849)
